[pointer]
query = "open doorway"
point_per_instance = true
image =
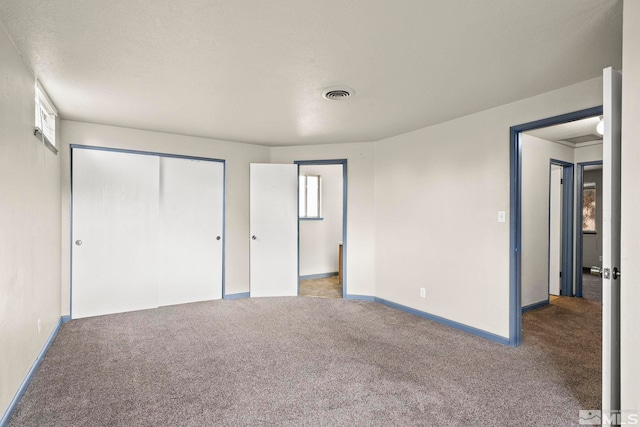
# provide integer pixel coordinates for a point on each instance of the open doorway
(550, 242)
(549, 318)
(560, 237)
(322, 228)
(556, 210)
(589, 231)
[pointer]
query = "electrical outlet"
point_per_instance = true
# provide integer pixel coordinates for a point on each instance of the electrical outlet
(39, 326)
(423, 293)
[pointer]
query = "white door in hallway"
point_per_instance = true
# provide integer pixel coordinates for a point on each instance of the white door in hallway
(612, 106)
(555, 229)
(274, 229)
(191, 230)
(114, 232)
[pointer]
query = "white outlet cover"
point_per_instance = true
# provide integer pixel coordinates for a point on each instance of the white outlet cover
(502, 216)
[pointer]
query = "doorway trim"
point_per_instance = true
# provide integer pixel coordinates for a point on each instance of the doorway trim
(515, 203)
(579, 235)
(72, 147)
(342, 162)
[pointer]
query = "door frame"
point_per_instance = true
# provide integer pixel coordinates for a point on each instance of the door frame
(342, 162)
(72, 147)
(515, 203)
(566, 287)
(579, 236)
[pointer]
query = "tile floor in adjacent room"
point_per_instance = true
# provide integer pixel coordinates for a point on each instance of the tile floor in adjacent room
(328, 287)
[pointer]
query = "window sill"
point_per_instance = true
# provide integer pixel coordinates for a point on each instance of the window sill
(45, 141)
(311, 219)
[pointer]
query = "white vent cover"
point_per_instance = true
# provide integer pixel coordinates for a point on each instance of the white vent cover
(337, 93)
(583, 138)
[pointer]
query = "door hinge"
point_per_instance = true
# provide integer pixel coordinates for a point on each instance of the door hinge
(561, 274)
(561, 180)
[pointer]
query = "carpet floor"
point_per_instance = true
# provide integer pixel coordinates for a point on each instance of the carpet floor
(313, 361)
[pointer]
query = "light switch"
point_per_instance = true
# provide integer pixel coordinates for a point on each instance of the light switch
(502, 216)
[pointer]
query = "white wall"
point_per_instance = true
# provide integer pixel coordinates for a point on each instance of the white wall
(438, 191)
(592, 243)
(630, 291)
(588, 153)
(30, 227)
(360, 274)
(319, 239)
(238, 157)
(536, 156)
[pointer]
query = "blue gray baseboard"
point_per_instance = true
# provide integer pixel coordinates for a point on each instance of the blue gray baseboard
(360, 297)
(460, 326)
(318, 276)
(465, 328)
(535, 305)
(25, 383)
(237, 296)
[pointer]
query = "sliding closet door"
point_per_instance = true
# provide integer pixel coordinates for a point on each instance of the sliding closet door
(115, 232)
(191, 230)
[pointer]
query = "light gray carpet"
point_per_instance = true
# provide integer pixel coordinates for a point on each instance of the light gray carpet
(310, 361)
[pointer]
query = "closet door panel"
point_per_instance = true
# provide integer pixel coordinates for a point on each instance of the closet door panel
(191, 236)
(114, 232)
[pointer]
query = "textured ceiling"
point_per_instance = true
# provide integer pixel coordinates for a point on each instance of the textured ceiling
(253, 71)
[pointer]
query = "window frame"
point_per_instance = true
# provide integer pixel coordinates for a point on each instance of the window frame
(590, 186)
(303, 198)
(45, 112)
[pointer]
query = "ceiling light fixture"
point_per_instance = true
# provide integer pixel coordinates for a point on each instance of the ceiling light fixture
(337, 93)
(600, 126)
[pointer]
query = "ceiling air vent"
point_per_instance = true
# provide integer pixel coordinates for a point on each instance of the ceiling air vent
(337, 93)
(583, 138)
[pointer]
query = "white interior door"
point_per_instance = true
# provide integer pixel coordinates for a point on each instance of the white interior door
(191, 230)
(115, 229)
(612, 106)
(555, 229)
(274, 230)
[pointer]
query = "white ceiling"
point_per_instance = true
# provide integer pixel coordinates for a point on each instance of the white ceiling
(574, 129)
(253, 71)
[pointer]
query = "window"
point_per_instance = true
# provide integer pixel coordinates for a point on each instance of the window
(589, 207)
(310, 197)
(45, 119)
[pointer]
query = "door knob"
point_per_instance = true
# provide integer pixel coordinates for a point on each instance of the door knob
(596, 271)
(253, 237)
(78, 242)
